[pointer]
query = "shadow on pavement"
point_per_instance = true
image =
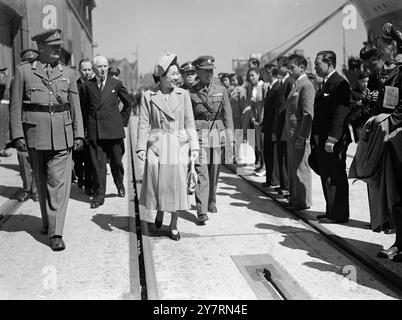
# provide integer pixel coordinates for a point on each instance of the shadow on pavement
(301, 239)
(9, 192)
(233, 183)
(107, 221)
(10, 166)
(25, 223)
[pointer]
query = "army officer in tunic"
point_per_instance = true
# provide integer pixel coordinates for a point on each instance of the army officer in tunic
(166, 137)
(46, 121)
(214, 124)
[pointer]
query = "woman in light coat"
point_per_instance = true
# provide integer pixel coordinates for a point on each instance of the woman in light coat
(166, 137)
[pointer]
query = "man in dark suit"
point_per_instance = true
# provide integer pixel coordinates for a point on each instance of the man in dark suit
(331, 137)
(105, 127)
(286, 85)
(82, 159)
(270, 105)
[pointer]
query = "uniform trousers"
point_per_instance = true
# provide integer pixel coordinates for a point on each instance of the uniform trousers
(207, 167)
(27, 175)
(271, 163)
(52, 171)
(332, 168)
(299, 174)
(101, 150)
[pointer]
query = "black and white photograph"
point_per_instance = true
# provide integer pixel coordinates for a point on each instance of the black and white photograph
(200, 157)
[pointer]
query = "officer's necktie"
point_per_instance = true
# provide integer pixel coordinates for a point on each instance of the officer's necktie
(48, 70)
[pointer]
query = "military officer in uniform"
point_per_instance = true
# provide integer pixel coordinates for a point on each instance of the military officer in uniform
(46, 120)
(28, 181)
(214, 125)
(188, 74)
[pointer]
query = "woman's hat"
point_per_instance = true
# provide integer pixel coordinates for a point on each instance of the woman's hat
(163, 63)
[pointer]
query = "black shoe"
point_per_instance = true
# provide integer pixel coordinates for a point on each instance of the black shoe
(35, 197)
(282, 191)
(175, 236)
(89, 192)
(121, 192)
(322, 216)
(95, 203)
(389, 230)
(44, 230)
(213, 210)
(158, 224)
(57, 243)
(80, 184)
(397, 257)
(389, 253)
(328, 220)
(202, 218)
(23, 196)
(297, 208)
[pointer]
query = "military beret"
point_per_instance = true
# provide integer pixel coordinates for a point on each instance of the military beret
(163, 63)
(187, 66)
(49, 37)
(204, 62)
(29, 54)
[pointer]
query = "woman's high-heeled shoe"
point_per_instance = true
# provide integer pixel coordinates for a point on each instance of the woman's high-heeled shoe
(175, 236)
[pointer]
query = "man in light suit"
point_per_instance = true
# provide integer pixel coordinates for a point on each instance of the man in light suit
(331, 137)
(105, 127)
(46, 121)
(298, 123)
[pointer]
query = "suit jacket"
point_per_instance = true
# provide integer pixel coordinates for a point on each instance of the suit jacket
(105, 121)
(270, 106)
(280, 114)
(42, 130)
(299, 110)
(331, 108)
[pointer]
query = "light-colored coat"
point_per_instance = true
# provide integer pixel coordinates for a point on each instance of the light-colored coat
(299, 110)
(167, 133)
(298, 124)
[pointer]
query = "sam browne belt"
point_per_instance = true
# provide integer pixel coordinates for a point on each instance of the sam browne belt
(46, 108)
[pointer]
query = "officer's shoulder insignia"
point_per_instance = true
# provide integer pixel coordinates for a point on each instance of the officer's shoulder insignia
(219, 94)
(66, 80)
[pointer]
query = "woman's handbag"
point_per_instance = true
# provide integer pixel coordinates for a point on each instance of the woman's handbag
(192, 178)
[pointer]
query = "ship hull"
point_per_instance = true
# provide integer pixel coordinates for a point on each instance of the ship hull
(375, 13)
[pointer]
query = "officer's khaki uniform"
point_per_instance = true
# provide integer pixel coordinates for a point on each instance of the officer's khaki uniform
(206, 102)
(49, 134)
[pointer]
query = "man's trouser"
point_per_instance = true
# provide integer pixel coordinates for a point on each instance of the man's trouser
(207, 168)
(102, 150)
(332, 168)
(299, 174)
(52, 171)
(26, 172)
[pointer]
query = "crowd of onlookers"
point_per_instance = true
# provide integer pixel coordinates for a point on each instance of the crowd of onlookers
(304, 121)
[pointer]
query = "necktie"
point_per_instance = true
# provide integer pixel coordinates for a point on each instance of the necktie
(101, 85)
(48, 70)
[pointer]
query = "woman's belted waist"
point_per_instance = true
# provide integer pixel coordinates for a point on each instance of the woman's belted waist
(52, 108)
